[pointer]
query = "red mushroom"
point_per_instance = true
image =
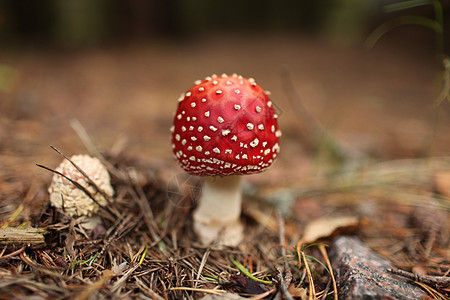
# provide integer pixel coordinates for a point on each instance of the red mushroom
(225, 126)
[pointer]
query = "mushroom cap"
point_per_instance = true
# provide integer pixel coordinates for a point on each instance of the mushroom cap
(225, 125)
(73, 201)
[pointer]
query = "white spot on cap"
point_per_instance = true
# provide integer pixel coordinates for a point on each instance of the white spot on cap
(264, 144)
(183, 142)
(215, 82)
(188, 94)
(193, 104)
(268, 92)
(192, 158)
(200, 128)
(220, 119)
(172, 128)
(189, 148)
(228, 151)
(228, 82)
(206, 138)
(224, 75)
(276, 148)
(197, 82)
(225, 132)
(234, 138)
(203, 99)
(218, 92)
(194, 118)
(199, 148)
(177, 137)
(237, 156)
(216, 150)
(237, 107)
(278, 133)
(181, 98)
(250, 126)
(179, 116)
(188, 118)
(193, 138)
(269, 103)
(244, 156)
(237, 91)
(183, 128)
(261, 127)
(254, 143)
(201, 89)
(272, 129)
(258, 109)
(213, 128)
(191, 127)
(207, 152)
(207, 113)
(267, 151)
(208, 78)
(275, 116)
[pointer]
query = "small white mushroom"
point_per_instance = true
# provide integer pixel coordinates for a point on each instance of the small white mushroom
(65, 196)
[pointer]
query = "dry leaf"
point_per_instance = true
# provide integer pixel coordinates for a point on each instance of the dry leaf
(71, 237)
(247, 285)
(298, 293)
(119, 269)
(325, 227)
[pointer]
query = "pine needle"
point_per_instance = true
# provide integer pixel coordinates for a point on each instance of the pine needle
(247, 273)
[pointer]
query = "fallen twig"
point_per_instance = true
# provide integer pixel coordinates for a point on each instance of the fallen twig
(437, 281)
(285, 280)
(30, 237)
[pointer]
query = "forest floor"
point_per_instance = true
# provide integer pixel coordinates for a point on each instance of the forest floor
(362, 137)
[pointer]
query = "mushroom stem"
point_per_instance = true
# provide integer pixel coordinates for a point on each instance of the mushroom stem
(217, 216)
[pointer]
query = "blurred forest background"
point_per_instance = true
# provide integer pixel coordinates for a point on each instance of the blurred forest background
(84, 22)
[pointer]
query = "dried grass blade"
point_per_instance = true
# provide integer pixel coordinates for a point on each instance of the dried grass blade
(312, 289)
(327, 260)
(285, 281)
(15, 214)
(87, 142)
(202, 265)
(207, 291)
(144, 253)
(435, 294)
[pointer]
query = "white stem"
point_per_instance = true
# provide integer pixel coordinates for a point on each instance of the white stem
(217, 216)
